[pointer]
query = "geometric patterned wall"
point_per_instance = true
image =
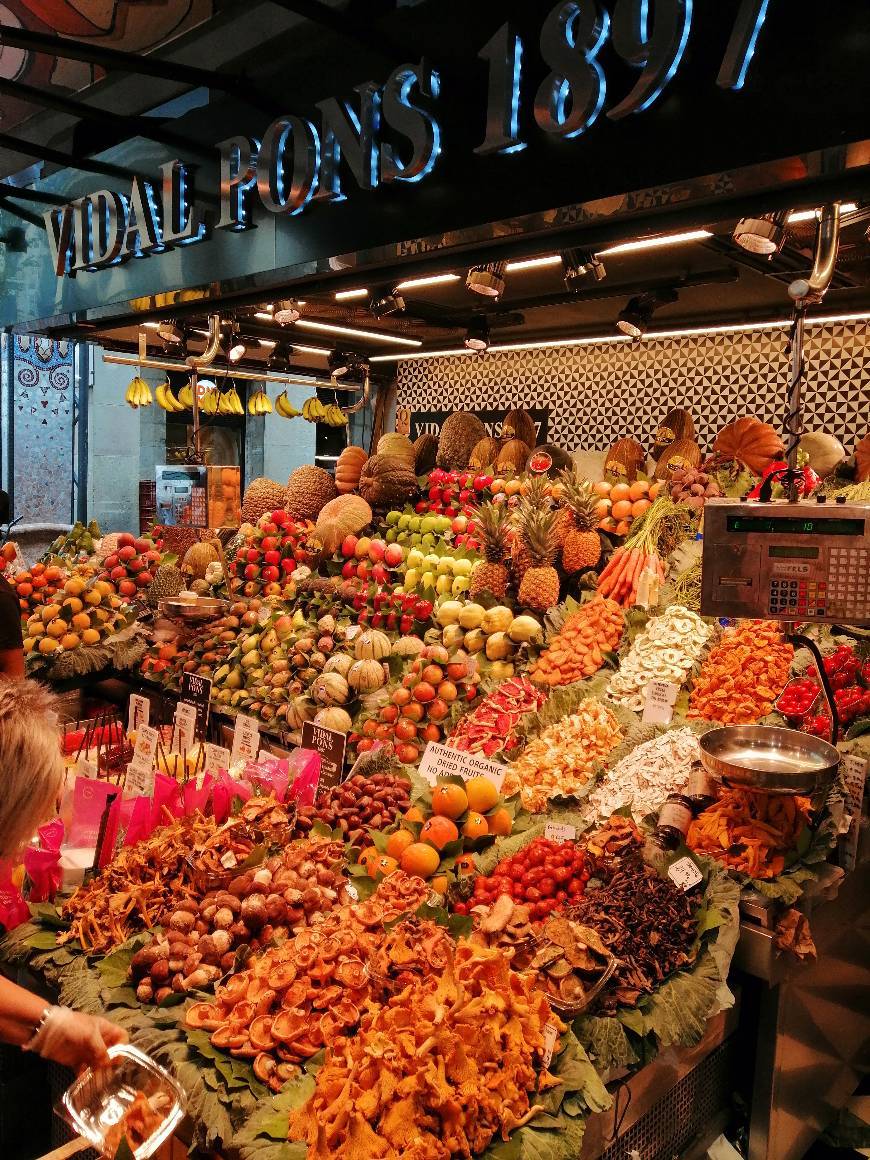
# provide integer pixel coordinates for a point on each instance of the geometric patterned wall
(42, 408)
(600, 392)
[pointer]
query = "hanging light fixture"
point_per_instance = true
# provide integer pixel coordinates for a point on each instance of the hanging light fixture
(487, 280)
(286, 311)
(170, 331)
(764, 234)
(383, 303)
(477, 335)
(580, 267)
(636, 315)
(280, 356)
(232, 343)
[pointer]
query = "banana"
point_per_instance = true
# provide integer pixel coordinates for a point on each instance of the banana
(285, 408)
(130, 394)
(173, 402)
(306, 410)
(185, 397)
(225, 406)
(141, 393)
(236, 402)
(266, 404)
(208, 402)
(165, 398)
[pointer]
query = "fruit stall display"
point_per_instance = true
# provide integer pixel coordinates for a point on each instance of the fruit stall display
(474, 593)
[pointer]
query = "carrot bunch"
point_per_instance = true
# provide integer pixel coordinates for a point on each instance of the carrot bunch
(577, 651)
(743, 675)
(622, 578)
(749, 831)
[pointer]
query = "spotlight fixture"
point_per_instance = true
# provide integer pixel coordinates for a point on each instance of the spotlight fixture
(232, 343)
(477, 335)
(387, 302)
(286, 311)
(340, 363)
(764, 234)
(581, 266)
(170, 331)
(487, 280)
(280, 355)
(636, 315)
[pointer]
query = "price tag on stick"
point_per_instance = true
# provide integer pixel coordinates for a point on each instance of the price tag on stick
(661, 696)
(138, 713)
(330, 744)
(185, 727)
(246, 740)
(559, 832)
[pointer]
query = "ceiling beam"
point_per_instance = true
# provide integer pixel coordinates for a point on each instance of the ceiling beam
(130, 126)
(344, 24)
(22, 213)
(67, 160)
(27, 194)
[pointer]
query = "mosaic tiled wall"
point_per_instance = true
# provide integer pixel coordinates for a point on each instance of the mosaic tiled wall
(42, 407)
(600, 392)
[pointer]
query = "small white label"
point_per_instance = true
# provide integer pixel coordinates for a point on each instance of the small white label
(217, 757)
(229, 861)
(855, 775)
(352, 892)
(684, 874)
(246, 739)
(140, 780)
(85, 768)
(138, 713)
(559, 832)
(551, 1038)
(147, 740)
(661, 696)
(442, 761)
(184, 734)
(264, 615)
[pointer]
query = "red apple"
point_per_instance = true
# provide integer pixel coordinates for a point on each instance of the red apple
(272, 558)
(127, 588)
(253, 555)
(363, 570)
(143, 579)
(128, 552)
(379, 574)
(348, 546)
(394, 554)
(153, 557)
(270, 575)
(460, 524)
(347, 571)
(362, 547)
(376, 550)
(252, 572)
(125, 540)
(136, 564)
(118, 573)
(280, 518)
(111, 561)
(268, 544)
(143, 544)
(288, 564)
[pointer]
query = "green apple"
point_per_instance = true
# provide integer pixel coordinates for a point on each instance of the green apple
(443, 585)
(445, 566)
(391, 536)
(462, 567)
(460, 584)
(428, 540)
(393, 518)
(414, 558)
(431, 560)
(427, 580)
(416, 521)
(405, 522)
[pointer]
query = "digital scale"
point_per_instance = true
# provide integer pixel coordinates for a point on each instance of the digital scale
(787, 561)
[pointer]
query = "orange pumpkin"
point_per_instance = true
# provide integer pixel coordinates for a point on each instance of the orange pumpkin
(754, 443)
(348, 469)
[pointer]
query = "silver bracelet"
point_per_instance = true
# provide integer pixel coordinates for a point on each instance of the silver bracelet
(37, 1030)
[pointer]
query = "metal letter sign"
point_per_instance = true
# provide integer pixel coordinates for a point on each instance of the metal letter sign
(390, 133)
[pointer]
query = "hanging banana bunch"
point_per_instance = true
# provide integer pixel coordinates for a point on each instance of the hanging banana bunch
(259, 403)
(285, 408)
(229, 403)
(313, 410)
(185, 397)
(138, 394)
(209, 399)
(166, 399)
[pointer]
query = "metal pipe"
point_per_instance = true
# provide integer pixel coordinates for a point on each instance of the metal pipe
(114, 59)
(264, 376)
(20, 212)
(68, 160)
(27, 194)
(810, 291)
(212, 346)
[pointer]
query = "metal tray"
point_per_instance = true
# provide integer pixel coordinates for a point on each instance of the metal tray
(770, 758)
(201, 609)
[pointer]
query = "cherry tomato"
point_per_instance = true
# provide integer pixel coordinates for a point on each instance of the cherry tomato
(576, 887)
(547, 887)
(532, 894)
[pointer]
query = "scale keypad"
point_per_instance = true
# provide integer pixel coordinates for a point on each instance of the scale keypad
(800, 599)
(849, 582)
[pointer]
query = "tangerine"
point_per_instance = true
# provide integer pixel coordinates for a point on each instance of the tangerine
(81, 621)
(475, 826)
(438, 831)
(420, 859)
(449, 800)
(48, 645)
(639, 507)
(90, 636)
(57, 628)
(399, 842)
(500, 823)
(439, 883)
(74, 586)
(465, 864)
(602, 487)
(70, 640)
(621, 510)
(482, 794)
(620, 491)
(413, 815)
(384, 865)
(73, 604)
(638, 490)
(369, 854)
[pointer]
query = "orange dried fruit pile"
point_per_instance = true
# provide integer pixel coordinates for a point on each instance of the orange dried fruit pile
(577, 651)
(743, 674)
(750, 831)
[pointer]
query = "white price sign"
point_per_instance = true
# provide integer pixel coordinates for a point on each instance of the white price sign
(559, 832)
(217, 757)
(442, 761)
(184, 733)
(85, 768)
(661, 696)
(855, 777)
(684, 874)
(138, 713)
(246, 740)
(147, 740)
(140, 779)
(551, 1038)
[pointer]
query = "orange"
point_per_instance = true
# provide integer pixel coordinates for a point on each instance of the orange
(639, 507)
(384, 865)
(56, 628)
(399, 842)
(438, 831)
(620, 491)
(439, 884)
(93, 597)
(369, 854)
(48, 645)
(73, 604)
(90, 636)
(622, 528)
(28, 643)
(448, 800)
(465, 864)
(81, 621)
(50, 612)
(420, 859)
(71, 640)
(602, 487)
(414, 815)
(602, 508)
(621, 510)
(500, 823)
(74, 586)
(475, 826)
(482, 794)
(35, 628)
(655, 489)
(638, 490)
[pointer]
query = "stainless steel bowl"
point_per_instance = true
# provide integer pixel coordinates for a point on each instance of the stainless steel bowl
(770, 758)
(202, 609)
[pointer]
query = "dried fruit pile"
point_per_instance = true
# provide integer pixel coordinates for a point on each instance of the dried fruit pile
(667, 650)
(544, 875)
(258, 906)
(445, 1067)
(491, 728)
(743, 674)
(562, 760)
(645, 777)
(750, 831)
(358, 805)
(577, 651)
(642, 919)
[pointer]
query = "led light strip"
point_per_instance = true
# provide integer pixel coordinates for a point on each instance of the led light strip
(433, 280)
(533, 263)
(352, 332)
(349, 295)
(807, 215)
(655, 243)
(609, 339)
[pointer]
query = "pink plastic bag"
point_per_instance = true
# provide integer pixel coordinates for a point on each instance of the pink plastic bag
(89, 802)
(225, 790)
(43, 865)
(193, 799)
(135, 820)
(304, 770)
(13, 908)
(270, 775)
(166, 793)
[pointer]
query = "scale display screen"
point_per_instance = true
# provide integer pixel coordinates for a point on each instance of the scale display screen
(795, 526)
(787, 552)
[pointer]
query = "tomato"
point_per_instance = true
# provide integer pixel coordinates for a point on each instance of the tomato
(534, 856)
(561, 895)
(460, 908)
(576, 887)
(532, 894)
(547, 887)
(562, 873)
(517, 873)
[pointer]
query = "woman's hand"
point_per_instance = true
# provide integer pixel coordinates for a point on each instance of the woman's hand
(76, 1040)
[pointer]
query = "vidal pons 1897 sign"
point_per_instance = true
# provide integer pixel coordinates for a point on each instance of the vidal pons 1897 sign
(391, 133)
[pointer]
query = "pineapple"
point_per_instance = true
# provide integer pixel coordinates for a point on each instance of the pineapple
(539, 588)
(535, 496)
(491, 574)
(581, 547)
